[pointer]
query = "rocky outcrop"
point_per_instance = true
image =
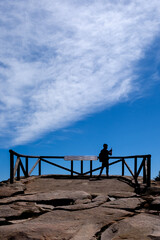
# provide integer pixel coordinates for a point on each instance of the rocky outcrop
(7, 190)
(141, 226)
(56, 208)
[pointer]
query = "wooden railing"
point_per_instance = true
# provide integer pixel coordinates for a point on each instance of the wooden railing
(144, 166)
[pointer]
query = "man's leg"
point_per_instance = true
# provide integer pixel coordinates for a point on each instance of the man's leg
(101, 170)
(107, 169)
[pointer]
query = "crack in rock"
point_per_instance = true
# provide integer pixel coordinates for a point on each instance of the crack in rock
(139, 226)
(114, 230)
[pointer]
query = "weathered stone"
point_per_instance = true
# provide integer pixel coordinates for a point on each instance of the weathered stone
(95, 203)
(82, 201)
(61, 224)
(111, 198)
(142, 226)
(100, 198)
(19, 221)
(154, 190)
(76, 209)
(44, 207)
(123, 194)
(125, 203)
(155, 204)
(2, 221)
(10, 190)
(7, 211)
(54, 197)
(155, 212)
(104, 186)
(16, 210)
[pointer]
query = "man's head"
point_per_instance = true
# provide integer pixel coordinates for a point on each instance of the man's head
(105, 146)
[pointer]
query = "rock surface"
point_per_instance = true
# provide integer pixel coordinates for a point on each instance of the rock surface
(51, 208)
(142, 226)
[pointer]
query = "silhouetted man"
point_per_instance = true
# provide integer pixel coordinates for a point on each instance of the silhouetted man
(104, 157)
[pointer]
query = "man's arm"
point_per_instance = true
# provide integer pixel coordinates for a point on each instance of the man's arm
(110, 152)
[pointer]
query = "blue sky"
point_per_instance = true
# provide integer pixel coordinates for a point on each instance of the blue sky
(76, 74)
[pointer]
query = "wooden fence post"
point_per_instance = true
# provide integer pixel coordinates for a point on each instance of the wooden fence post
(39, 170)
(11, 166)
(90, 168)
(135, 166)
(81, 167)
(26, 166)
(122, 166)
(148, 170)
(135, 170)
(71, 168)
(144, 170)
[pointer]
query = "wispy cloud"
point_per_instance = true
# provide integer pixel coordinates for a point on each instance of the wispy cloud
(61, 60)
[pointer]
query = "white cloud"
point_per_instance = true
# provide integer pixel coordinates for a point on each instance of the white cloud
(63, 59)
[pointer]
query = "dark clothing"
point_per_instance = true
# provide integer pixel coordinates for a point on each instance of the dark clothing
(104, 157)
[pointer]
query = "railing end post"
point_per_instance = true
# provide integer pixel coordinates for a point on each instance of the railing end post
(81, 167)
(148, 170)
(27, 167)
(90, 168)
(11, 166)
(71, 168)
(39, 167)
(122, 166)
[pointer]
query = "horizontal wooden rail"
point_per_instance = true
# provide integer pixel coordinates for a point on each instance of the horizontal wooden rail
(29, 156)
(62, 157)
(134, 156)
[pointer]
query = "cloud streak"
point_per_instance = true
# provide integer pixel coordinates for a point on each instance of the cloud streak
(61, 60)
